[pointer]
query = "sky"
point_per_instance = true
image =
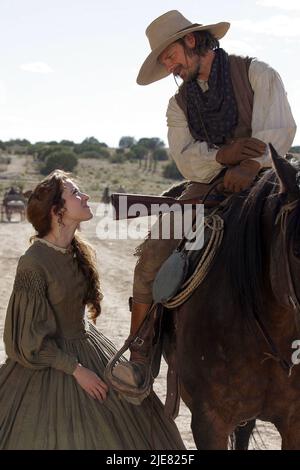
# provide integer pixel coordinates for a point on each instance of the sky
(69, 67)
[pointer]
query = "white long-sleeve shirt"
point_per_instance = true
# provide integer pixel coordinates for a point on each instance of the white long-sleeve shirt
(272, 121)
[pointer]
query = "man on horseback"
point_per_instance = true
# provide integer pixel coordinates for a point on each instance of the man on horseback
(219, 122)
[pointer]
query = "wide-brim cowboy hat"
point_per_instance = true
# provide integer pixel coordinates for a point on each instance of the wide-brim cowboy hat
(164, 31)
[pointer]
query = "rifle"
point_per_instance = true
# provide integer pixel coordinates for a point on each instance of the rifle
(129, 206)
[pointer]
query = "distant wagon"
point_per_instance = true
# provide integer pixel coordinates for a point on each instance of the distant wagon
(14, 202)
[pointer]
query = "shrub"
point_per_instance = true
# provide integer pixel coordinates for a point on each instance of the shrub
(117, 158)
(139, 151)
(45, 151)
(5, 160)
(94, 154)
(171, 171)
(61, 160)
(160, 154)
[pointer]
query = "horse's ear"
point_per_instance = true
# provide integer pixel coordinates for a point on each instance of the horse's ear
(286, 173)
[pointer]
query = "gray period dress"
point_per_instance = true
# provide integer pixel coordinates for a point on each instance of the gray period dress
(41, 404)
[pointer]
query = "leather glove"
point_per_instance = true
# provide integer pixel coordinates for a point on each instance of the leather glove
(240, 149)
(241, 176)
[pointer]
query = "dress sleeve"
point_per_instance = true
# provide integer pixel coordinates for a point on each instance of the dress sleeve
(30, 326)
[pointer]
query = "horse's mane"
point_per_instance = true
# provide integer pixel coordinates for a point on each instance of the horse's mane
(242, 248)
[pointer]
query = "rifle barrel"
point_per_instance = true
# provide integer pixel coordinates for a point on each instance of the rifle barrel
(129, 206)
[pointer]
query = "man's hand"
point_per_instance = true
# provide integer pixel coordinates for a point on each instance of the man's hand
(241, 176)
(90, 382)
(240, 149)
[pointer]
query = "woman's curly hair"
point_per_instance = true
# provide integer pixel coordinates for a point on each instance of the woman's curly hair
(48, 195)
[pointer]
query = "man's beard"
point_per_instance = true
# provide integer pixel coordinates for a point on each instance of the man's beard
(191, 75)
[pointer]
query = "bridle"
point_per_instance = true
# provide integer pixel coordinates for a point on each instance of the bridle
(282, 217)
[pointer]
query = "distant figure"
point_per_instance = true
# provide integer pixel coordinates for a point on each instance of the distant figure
(13, 191)
(13, 202)
(121, 190)
(106, 195)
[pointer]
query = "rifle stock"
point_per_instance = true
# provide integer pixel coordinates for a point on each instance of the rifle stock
(130, 206)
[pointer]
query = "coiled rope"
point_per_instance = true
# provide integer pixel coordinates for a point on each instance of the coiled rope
(216, 224)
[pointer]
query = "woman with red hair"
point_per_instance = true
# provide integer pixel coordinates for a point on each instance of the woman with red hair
(52, 392)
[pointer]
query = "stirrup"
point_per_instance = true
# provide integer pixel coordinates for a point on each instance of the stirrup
(132, 373)
(130, 393)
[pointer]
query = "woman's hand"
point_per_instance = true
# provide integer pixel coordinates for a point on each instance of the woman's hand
(91, 383)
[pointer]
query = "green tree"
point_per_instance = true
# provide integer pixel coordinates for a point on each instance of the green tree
(160, 154)
(127, 142)
(100, 153)
(118, 157)
(138, 153)
(151, 144)
(91, 141)
(21, 142)
(44, 151)
(171, 171)
(61, 160)
(89, 145)
(67, 143)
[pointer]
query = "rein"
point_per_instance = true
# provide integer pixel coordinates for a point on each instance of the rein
(283, 216)
(294, 301)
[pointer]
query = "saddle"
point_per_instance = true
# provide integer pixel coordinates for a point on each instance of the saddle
(172, 287)
(175, 282)
(179, 270)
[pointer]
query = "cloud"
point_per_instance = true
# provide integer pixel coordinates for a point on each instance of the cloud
(290, 5)
(280, 26)
(11, 119)
(36, 67)
(3, 93)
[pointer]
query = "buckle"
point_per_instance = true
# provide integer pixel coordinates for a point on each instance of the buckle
(138, 341)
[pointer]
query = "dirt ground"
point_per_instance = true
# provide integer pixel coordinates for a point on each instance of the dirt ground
(116, 265)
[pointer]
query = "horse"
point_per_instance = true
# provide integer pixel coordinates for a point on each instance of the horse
(234, 336)
(14, 202)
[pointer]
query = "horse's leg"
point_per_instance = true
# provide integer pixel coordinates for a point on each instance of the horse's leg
(242, 435)
(290, 435)
(209, 430)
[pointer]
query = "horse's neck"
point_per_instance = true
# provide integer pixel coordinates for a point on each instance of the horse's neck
(279, 320)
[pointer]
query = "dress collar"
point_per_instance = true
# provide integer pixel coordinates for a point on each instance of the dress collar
(65, 251)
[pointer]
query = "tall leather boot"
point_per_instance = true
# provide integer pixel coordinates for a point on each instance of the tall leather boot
(134, 372)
